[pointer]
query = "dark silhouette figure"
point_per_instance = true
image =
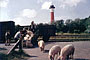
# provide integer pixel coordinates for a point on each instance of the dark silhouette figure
(7, 38)
(33, 27)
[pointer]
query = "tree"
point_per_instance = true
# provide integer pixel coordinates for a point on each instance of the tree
(77, 26)
(59, 25)
(17, 28)
(86, 23)
(68, 21)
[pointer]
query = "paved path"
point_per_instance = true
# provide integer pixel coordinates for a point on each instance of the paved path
(4, 49)
(82, 50)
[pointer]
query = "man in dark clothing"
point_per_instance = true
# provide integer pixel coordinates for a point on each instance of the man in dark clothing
(34, 38)
(8, 38)
(33, 27)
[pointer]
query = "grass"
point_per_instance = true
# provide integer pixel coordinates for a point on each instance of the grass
(3, 56)
(15, 55)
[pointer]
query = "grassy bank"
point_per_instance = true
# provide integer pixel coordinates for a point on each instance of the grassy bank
(15, 55)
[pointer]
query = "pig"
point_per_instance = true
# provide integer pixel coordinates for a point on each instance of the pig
(55, 50)
(67, 52)
(41, 45)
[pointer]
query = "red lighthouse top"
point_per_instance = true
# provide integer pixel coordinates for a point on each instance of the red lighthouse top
(52, 13)
(52, 6)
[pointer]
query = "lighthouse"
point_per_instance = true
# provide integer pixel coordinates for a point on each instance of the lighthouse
(52, 13)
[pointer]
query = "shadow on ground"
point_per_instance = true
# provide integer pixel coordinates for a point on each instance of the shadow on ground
(46, 51)
(33, 56)
(3, 49)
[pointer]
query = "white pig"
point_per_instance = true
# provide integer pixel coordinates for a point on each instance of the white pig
(41, 45)
(55, 50)
(66, 52)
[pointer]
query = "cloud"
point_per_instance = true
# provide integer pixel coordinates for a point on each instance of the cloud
(4, 3)
(21, 20)
(39, 1)
(4, 16)
(61, 3)
(46, 5)
(25, 17)
(17, 20)
(70, 3)
(29, 13)
(62, 17)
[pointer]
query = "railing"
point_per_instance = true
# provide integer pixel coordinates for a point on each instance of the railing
(18, 43)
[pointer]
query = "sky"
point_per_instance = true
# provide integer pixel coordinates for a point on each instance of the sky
(22, 12)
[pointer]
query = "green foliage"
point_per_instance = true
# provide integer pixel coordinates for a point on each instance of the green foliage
(73, 26)
(59, 25)
(3, 56)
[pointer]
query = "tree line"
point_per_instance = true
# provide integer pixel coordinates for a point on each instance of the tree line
(73, 26)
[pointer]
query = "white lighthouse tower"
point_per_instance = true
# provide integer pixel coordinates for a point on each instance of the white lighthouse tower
(52, 13)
